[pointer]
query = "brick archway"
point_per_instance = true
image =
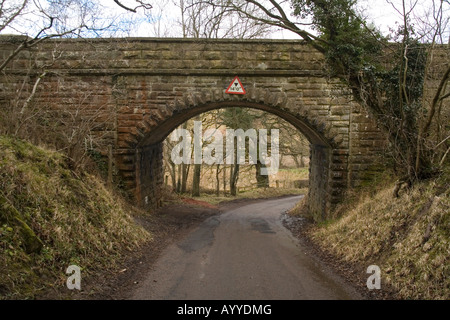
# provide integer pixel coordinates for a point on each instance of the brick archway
(141, 89)
(328, 159)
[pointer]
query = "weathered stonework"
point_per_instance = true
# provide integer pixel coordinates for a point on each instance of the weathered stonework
(142, 89)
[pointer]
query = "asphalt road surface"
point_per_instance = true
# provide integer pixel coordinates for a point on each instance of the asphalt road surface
(242, 254)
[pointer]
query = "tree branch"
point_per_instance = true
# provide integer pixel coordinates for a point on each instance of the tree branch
(30, 42)
(436, 99)
(134, 10)
(272, 19)
(33, 92)
(14, 15)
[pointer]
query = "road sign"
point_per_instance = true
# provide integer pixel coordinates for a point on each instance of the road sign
(236, 87)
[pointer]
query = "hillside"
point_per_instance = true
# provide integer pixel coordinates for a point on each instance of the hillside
(51, 217)
(407, 237)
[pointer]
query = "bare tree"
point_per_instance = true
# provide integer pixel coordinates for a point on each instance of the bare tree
(199, 19)
(39, 20)
(392, 93)
(27, 23)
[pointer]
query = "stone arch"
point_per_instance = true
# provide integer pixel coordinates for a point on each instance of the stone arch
(317, 131)
(155, 127)
(146, 140)
(142, 87)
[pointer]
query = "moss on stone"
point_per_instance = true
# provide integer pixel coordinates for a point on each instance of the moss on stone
(32, 244)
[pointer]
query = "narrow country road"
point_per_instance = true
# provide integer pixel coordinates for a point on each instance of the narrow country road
(245, 253)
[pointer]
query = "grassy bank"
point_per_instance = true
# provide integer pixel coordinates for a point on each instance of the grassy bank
(259, 193)
(407, 237)
(51, 217)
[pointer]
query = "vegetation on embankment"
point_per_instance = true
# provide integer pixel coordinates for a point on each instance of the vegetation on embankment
(407, 237)
(259, 193)
(52, 217)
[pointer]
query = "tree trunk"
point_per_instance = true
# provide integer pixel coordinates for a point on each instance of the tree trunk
(179, 180)
(173, 177)
(184, 169)
(184, 176)
(262, 181)
(196, 180)
(234, 179)
(224, 180)
(217, 180)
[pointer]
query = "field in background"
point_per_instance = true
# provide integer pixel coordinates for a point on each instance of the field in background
(286, 178)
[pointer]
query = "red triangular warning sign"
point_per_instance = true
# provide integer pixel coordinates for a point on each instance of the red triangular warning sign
(236, 87)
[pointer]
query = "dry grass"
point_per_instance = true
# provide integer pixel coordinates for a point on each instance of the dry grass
(301, 208)
(261, 193)
(77, 219)
(408, 237)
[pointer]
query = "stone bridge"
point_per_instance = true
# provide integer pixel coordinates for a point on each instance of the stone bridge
(139, 90)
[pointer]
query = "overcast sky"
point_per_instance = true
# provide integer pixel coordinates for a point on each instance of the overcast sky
(381, 12)
(165, 15)
(163, 19)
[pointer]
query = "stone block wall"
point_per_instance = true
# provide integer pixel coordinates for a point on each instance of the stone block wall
(136, 91)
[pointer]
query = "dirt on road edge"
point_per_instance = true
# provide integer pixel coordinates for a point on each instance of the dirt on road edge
(172, 222)
(353, 274)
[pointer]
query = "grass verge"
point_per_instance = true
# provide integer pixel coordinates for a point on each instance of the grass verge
(407, 237)
(51, 218)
